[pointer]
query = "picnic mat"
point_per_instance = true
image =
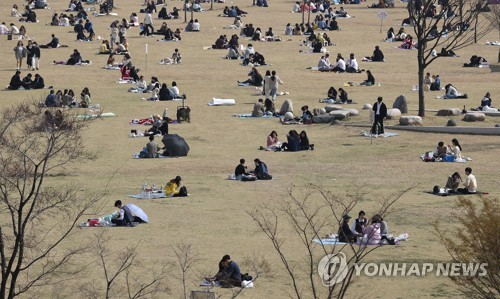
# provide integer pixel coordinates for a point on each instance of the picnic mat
(385, 135)
(148, 195)
(222, 102)
(92, 116)
(249, 115)
(136, 156)
(462, 160)
(443, 192)
(329, 242)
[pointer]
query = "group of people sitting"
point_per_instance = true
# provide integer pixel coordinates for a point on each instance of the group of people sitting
(28, 82)
(450, 153)
(341, 66)
(375, 232)
(432, 83)
(336, 97)
(68, 99)
(453, 184)
(233, 12)
(261, 172)
(169, 34)
(295, 141)
(392, 37)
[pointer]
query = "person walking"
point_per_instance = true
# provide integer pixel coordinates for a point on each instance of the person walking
(20, 52)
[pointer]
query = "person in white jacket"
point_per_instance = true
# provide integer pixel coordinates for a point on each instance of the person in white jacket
(352, 64)
(148, 23)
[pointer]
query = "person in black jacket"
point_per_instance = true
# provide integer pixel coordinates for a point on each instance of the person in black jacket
(38, 83)
(240, 170)
(164, 94)
(380, 113)
(15, 81)
(125, 216)
(345, 233)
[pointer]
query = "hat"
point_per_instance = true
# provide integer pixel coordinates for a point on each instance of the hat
(346, 217)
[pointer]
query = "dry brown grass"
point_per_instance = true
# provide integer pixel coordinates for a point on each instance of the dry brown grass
(213, 218)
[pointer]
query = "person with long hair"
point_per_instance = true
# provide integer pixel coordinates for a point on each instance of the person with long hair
(273, 85)
(304, 141)
(455, 148)
(453, 182)
(292, 144)
(261, 171)
(20, 52)
(272, 141)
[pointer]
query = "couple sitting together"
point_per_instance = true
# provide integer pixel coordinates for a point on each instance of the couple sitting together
(260, 172)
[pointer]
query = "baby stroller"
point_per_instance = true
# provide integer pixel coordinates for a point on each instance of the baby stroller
(183, 112)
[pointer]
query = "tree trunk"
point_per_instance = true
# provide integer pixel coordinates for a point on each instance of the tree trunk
(421, 70)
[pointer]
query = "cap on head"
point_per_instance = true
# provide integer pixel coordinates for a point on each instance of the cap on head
(346, 217)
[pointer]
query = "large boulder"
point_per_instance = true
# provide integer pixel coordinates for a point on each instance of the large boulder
(449, 112)
(330, 108)
(474, 116)
(340, 114)
(451, 123)
(393, 113)
(401, 104)
(410, 120)
(352, 111)
(319, 111)
(367, 107)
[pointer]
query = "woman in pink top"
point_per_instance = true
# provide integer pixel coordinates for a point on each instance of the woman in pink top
(372, 232)
(272, 141)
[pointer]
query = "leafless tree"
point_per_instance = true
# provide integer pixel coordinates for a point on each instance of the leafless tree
(494, 17)
(37, 216)
(186, 259)
(459, 24)
(309, 213)
(475, 240)
(122, 263)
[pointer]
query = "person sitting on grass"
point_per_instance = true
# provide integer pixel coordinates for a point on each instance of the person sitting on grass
(174, 189)
(272, 141)
(452, 93)
(258, 109)
(261, 171)
(240, 172)
(74, 58)
(346, 235)
(370, 81)
(377, 56)
(453, 183)
(255, 78)
(229, 274)
(292, 144)
(152, 148)
(470, 183)
(304, 144)
(124, 216)
(441, 150)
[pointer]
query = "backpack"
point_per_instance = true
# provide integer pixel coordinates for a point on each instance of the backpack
(265, 176)
(436, 190)
(183, 191)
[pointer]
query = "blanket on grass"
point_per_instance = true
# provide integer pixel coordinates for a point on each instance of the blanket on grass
(249, 115)
(447, 192)
(385, 135)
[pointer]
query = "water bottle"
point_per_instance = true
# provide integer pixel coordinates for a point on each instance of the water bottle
(153, 187)
(145, 186)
